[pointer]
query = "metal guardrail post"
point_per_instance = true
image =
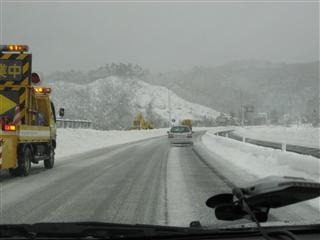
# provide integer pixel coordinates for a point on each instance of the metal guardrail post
(283, 147)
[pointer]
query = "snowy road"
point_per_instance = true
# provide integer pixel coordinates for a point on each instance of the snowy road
(146, 181)
(143, 182)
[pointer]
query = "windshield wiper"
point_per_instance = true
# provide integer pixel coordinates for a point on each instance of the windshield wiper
(254, 201)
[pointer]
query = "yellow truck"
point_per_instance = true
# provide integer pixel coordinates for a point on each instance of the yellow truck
(187, 122)
(27, 115)
(140, 122)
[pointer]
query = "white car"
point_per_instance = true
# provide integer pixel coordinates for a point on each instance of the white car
(180, 135)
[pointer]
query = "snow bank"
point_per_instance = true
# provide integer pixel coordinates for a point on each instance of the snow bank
(255, 162)
(263, 161)
(303, 136)
(74, 141)
(213, 129)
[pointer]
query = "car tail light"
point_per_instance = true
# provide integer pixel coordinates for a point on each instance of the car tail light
(9, 127)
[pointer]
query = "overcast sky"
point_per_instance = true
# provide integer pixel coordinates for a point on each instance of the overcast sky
(161, 36)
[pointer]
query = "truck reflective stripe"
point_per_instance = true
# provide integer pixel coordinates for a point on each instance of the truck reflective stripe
(17, 116)
(25, 81)
(25, 68)
(5, 56)
(22, 56)
(33, 133)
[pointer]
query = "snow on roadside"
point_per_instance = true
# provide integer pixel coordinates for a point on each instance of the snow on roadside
(259, 162)
(303, 136)
(263, 161)
(73, 141)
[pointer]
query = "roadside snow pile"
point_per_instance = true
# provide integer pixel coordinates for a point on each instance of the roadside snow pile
(74, 141)
(302, 136)
(261, 161)
(251, 162)
(212, 129)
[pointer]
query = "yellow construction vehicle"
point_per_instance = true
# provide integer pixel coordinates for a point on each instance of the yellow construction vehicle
(141, 123)
(147, 125)
(187, 122)
(27, 115)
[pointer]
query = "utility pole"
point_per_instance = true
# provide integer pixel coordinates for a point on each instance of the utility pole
(241, 106)
(242, 116)
(267, 121)
(169, 107)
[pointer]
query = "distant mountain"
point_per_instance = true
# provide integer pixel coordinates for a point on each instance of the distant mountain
(267, 86)
(114, 69)
(113, 102)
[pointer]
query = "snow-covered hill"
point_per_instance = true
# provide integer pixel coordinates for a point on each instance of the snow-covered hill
(112, 103)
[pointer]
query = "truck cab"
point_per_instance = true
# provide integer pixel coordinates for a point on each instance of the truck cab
(27, 115)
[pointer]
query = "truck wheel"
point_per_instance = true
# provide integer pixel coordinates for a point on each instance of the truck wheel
(24, 164)
(48, 163)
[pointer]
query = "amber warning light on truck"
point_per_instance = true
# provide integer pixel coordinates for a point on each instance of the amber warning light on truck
(41, 90)
(14, 48)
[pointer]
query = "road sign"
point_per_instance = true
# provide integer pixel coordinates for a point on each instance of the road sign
(6, 104)
(249, 108)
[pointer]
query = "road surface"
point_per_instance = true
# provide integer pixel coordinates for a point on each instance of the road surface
(142, 182)
(145, 182)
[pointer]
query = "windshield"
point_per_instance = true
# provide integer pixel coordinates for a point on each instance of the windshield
(180, 129)
(141, 111)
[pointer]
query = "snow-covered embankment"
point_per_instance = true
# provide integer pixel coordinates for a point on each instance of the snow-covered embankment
(295, 135)
(74, 141)
(248, 162)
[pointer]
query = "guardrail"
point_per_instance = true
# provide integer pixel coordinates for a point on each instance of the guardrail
(69, 123)
(275, 145)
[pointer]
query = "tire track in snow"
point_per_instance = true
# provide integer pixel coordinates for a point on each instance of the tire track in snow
(179, 206)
